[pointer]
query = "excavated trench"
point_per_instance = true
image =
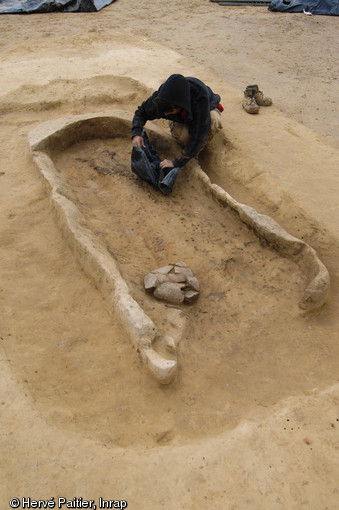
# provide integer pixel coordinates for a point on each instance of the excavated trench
(231, 343)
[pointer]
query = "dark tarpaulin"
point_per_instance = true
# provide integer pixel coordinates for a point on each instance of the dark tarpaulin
(327, 7)
(145, 163)
(41, 6)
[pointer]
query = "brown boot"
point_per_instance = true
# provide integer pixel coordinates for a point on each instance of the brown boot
(249, 103)
(259, 96)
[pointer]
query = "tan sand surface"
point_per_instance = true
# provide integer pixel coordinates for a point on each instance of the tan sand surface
(252, 419)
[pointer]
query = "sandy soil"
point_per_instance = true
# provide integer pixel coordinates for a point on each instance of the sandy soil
(252, 419)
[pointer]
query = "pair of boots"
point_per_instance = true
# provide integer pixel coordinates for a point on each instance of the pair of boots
(254, 98)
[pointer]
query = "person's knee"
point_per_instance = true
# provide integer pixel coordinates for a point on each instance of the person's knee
(216, 124)
(179, 132)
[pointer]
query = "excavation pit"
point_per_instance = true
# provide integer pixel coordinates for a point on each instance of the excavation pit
(119, 228)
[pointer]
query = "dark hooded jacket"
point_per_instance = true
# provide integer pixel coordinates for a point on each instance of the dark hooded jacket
(195, 99)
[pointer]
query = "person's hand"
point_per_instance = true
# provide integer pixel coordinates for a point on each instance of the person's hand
(138, 141)
(166, 163)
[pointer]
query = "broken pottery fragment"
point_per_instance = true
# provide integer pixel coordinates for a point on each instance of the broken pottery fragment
(164, 269)
(173, 283)
(151, 280)
(183, 270)
(180, 264)
(176, 278)
(193, 282)
(170, 292)
(190, 295)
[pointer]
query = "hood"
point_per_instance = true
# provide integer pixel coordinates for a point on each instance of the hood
(176, 90)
